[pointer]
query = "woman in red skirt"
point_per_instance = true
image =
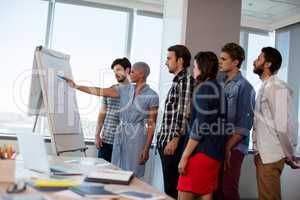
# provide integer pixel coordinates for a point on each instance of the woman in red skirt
(201, 161)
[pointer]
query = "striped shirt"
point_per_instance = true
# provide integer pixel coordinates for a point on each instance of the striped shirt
(177, 107)
(111, 119)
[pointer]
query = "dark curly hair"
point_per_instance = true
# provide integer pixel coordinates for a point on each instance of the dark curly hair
(273, 56)
(124, 62)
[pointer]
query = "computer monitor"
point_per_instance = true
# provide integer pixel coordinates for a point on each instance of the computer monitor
(33, 151)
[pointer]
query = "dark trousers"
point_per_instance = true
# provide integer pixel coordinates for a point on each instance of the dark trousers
(170, 168)
(105, 151)
(228, 183)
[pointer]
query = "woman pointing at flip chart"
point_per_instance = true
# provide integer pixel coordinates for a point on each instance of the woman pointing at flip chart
(138, 112)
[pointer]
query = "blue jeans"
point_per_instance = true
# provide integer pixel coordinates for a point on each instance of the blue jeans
(105, 151)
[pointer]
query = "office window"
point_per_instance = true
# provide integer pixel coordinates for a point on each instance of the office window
(253, 42)
(146, 45)
(283, 45)
(287, 42)
(23, 27)
(94, 37)
(256, 42)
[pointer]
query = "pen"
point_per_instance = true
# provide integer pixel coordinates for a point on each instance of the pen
(14, 155)
(61, 77)
(3, 151)
(9, 151)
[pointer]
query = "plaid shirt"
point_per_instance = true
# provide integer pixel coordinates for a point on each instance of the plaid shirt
(177, 107)
(111, 119)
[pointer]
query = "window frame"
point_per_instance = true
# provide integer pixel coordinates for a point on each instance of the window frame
(40, 120)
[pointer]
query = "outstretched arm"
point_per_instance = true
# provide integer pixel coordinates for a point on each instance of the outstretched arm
(105, 92)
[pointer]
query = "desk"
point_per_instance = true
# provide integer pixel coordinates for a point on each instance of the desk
(86, 165)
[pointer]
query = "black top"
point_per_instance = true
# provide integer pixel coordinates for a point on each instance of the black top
(208, 121)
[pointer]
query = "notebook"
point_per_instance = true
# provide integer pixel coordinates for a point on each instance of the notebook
(110, 176)
(55, 183)
(22, 197)
(136, 194)
(50, 185)
(140, 195)
(90, 190)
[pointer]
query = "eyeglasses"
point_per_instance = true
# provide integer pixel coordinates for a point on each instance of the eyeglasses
(17, 187)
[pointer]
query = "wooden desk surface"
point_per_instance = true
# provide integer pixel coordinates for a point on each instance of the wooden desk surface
(86, 165)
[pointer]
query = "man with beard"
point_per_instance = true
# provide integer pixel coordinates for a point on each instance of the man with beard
(171, 137)
(271, 142)
(108, 118)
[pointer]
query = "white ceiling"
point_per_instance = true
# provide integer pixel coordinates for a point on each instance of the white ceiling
(260, 14)
(263, 14)
(270, 14)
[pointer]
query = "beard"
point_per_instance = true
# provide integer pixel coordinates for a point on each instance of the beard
(170, 70)
(258, 70)
(121, 79)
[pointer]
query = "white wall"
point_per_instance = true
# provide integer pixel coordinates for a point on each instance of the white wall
(211, 24)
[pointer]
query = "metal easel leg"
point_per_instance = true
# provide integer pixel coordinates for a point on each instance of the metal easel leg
(35, 122)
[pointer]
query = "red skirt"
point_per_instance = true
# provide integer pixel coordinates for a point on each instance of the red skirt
(201, 175)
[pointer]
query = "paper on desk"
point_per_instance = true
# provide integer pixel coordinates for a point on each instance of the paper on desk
(72, 161)
(69, 195)
(107, 165)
